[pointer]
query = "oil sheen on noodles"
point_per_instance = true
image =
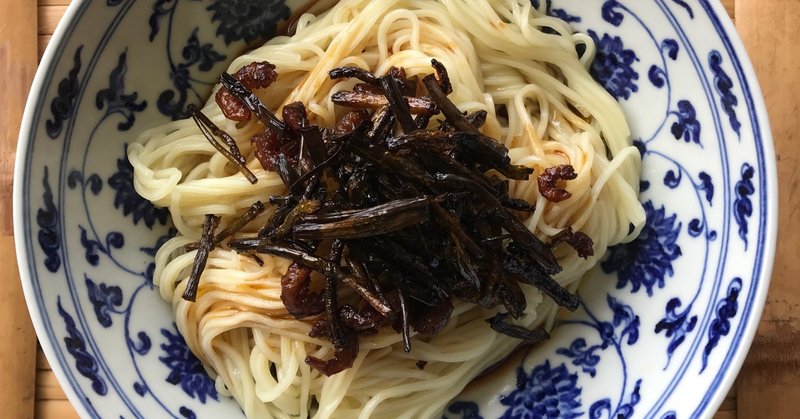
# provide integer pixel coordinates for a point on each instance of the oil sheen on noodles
(497, 55)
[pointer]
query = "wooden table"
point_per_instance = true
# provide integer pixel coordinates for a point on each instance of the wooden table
(767, 387)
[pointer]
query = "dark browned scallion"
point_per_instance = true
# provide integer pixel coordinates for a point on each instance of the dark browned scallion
(210, 130)
(200, 259)
(237, 224)
(400, 219)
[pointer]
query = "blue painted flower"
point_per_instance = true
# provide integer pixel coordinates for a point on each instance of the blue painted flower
(545, 393)
(129, 201)
(613, 66)
(248, 20)
(186, 369)
(647, 260)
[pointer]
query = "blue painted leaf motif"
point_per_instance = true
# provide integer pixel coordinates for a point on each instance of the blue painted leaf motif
(187, 413)
(613, 66)
(597, 408)
(707, 186)
(463, 410)
(185, 368)
(687, 126)
(724, 85)
(624, 316)
(47, 220)
(644, 185)
(725, 310)
(85, 362)
(658, 75)
(647, 260)
(669, 415)
(695, 227)
(670, 46)
(131, 202)
(91, 248)
(610, 12)
(114, 98)
(626, 409)
(685, 6)
(63, 105)
(143, 346)
(742, 206)
(248, 20)
(94, 182)
(671, 180)
(161, 8)
(140, 388)
(114, 240)
(104, 299)
(676, 325)
(582, 356)
(545, 393)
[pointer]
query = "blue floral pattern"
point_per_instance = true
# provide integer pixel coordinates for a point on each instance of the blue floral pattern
(625, 410)
(563, 377)
(47, 219)
(686, 126)
(544, 393)
(85, 362)
(676, 324)
(549, 392)
(248, 20)
(63, 105)
(647, 260)
(726, 309)
(724, 86)
(613, 66)
(463, 410)
(130, 202)
(105, 299)
(115, 100)
(742, 206)
(195, 55)
(185, 368)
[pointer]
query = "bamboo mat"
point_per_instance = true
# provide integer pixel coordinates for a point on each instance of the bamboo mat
(769, 384)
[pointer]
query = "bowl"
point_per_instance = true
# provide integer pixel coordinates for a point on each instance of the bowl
(666, 320)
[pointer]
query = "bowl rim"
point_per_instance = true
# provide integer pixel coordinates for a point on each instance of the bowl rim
(44, 73)
(730, 38)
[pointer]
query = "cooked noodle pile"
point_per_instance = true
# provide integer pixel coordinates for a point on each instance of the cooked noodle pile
(504, 57)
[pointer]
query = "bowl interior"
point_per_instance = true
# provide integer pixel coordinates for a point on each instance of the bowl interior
(666, 319)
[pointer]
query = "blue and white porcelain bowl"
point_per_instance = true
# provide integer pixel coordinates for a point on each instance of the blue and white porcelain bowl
(667, 319)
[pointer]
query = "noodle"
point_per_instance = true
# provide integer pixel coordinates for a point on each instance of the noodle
(498, 56)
